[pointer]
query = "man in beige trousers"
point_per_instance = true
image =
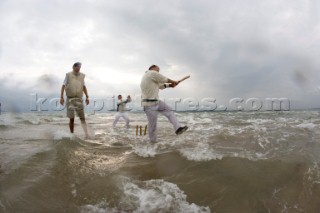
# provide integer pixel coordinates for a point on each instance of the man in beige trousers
(151, 82)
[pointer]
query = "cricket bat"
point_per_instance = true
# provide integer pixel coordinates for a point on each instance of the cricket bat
(184, 78)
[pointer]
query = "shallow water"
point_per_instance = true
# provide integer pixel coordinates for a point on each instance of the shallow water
(225, 162)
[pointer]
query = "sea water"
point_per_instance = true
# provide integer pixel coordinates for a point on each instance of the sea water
(225, 162)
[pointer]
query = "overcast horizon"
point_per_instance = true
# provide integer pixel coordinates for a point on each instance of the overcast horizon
(232, 49)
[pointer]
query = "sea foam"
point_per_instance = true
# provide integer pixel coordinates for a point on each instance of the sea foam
(149, 196)
(159, 196)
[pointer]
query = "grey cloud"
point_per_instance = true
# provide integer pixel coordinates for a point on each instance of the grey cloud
(11, 99)
(46, 83)
(231, 48)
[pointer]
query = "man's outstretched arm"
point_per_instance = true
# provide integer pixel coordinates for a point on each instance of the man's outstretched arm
(86, 93)
(61, 95)
(172, 83)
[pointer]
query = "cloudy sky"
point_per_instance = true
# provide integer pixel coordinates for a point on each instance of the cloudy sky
(231, 48)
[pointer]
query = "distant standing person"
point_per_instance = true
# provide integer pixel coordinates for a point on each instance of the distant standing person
(151, 82)
(121, 111)
(74, 86)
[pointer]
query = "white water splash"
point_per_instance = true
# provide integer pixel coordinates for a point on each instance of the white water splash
(149, 196)
(145, 149)
(61, 134)
(200, 153)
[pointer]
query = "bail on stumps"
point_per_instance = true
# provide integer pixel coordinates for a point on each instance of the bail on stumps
(139, 129)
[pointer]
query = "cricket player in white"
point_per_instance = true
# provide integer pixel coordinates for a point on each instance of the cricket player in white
(121, 108)
(151, 82)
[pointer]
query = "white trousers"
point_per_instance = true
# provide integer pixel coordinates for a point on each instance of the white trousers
(152, 115)
(121, 115)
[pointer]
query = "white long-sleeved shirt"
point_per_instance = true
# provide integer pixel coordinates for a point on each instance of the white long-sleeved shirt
(121, 105)
(150, 84)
